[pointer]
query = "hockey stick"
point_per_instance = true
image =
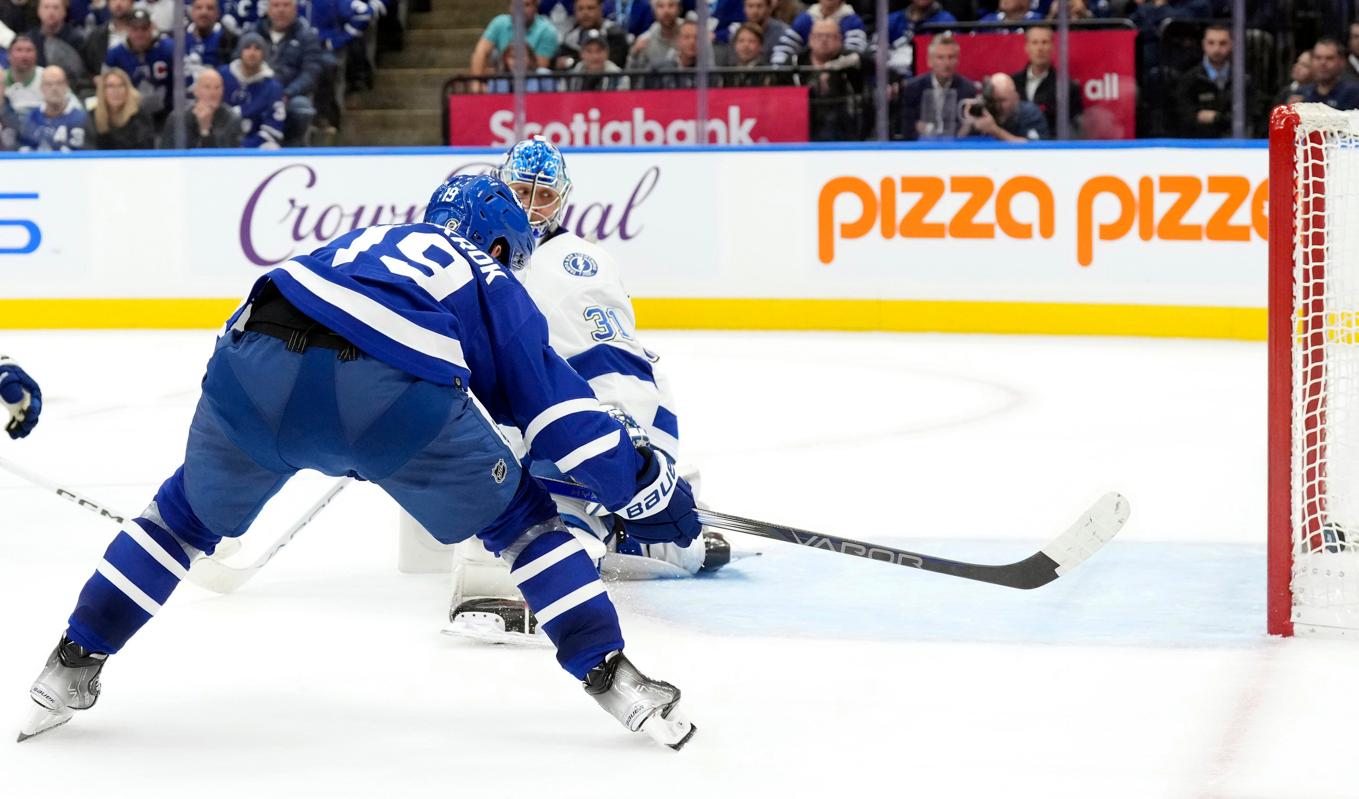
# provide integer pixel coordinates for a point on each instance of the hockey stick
(1092, 530)
(207, 572)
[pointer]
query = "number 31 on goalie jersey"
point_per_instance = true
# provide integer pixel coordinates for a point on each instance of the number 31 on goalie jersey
(608, 324)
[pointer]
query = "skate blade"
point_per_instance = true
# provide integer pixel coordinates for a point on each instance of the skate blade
(672, 731)
(490, 634)
(44, 720)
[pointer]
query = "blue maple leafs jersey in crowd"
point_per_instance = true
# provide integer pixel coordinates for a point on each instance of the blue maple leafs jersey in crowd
(64, 132)
(434, 305)
(258, 99)
(150, 71)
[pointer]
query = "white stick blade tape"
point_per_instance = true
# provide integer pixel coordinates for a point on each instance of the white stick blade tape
(1091, 531)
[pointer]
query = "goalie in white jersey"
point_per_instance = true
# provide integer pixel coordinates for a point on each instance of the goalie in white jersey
(579, 289)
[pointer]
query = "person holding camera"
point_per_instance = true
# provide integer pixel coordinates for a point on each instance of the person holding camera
(1000, 113)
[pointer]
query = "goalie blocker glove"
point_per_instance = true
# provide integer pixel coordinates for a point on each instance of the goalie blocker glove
(662, 510)
(20, 398)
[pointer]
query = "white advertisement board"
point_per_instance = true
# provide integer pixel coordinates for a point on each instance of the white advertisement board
(1099, 225)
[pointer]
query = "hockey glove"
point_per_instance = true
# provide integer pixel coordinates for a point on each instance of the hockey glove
(20, 397)
(662, 512)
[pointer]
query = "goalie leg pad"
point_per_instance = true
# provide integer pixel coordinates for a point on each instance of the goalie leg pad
(561, 585)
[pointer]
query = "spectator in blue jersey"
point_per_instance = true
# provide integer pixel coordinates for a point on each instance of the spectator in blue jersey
(341, 25)
(23, 80)
(250, 87)
(590, 19)
(118, 121)
(655, 49)
(901, 28)
(1012, 11)
(758, 13)
(147, 58)
(540, 35)
(208, 122)
(59, 123)
(20, 16)
(1001, 114)
(107, 35)
(1329, 85)
(930, 103)
(208, 45)
(794, 41)
(297, 59)
(58, 43)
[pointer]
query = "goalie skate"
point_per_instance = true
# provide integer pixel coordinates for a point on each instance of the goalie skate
(69, 682)
(639, 702)
(495, 620)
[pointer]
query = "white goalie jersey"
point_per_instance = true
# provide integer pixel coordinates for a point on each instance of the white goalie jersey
(591, 324)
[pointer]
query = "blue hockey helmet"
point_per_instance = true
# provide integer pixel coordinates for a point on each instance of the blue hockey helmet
(531, 166)
(486, 212)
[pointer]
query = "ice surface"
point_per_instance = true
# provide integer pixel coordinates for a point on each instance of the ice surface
(1144, 673)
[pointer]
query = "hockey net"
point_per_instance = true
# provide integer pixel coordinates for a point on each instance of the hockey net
(1314, 372)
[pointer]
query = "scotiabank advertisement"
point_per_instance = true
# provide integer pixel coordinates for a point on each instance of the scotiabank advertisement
(1101, 62)
(632, 119)
(1160, 227)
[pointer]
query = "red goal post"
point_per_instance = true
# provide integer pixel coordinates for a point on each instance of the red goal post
(1313, 484)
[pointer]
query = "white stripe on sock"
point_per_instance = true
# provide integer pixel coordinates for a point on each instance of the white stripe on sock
(546, 561)
(125, 585)
(155, 550)
(577, 597)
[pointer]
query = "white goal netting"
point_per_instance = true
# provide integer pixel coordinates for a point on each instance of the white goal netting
(1325, 369)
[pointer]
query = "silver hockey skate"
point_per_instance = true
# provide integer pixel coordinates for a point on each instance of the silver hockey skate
(69, 682)
(639, 702)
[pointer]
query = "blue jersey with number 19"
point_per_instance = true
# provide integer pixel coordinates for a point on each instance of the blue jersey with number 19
(431, 303)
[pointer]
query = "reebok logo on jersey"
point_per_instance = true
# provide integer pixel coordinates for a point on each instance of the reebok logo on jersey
(499, 471)
(580, 265)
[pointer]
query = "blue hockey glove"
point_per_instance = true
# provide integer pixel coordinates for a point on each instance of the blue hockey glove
(662, 511)
(20, 397)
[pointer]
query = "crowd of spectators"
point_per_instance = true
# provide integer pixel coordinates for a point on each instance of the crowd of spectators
(1183, 51)
(86, 74)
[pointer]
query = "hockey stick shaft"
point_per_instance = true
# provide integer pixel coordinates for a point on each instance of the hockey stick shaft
(207, 572)
(1092, 530)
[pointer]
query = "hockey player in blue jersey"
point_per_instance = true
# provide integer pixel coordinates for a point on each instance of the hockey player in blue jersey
(20, 398)
(391, 354)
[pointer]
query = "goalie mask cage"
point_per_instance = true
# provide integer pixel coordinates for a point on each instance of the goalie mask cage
(1314, 372)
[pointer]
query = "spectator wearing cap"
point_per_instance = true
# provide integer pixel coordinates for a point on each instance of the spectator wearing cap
(590, 19)
(207, 43)
(594, 71)
(297, 60)
(20, 16)
(250, 88)
(795, 39)
(540, 35)
(146, 57)
(59, 123)
(901, 28)
(759, 15)
(1037, 81)
(58, 43)
(208, 122)
(23, 79)
(107, 35)
(118, 121)
(1329, 84)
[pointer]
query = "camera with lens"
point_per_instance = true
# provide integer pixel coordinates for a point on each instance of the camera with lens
(986, 103)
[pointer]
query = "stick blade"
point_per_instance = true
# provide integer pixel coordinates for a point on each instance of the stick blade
(1095, 528)
(216, 576)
